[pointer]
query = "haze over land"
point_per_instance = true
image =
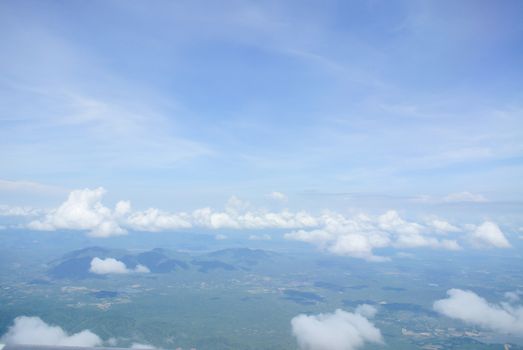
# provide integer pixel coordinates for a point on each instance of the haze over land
(262, 174)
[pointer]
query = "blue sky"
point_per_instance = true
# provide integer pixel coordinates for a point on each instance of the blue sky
(336, 104)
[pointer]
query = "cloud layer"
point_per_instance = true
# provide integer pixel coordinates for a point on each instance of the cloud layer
(470, 308)
(356, 236)
(340, 330)
(83, 210)
(32, 330)
(360, 235)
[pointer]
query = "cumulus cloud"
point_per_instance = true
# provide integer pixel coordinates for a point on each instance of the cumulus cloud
(113, 266)
(34, 331)
(470, 308)
(155, 220)
(83, 210)
(360, 235)
(489, 234)
(442, 226)
(340, 330)
(278, 196)
(208, 218)
(357, 236)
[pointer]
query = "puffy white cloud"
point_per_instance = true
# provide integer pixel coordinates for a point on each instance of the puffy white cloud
(442, 226)
(278, 196)
(34, 331)
(355, 236)
(465, 197)
(208, 218)
(470, 308)
(489, 234)
(315, 236)
(155, 220)
(141, 269)
(113, 266)
(392, 222)
(107, 266)
(360, 235)
(83, 210)
(340, 330)
(414, 241)
(359, 246)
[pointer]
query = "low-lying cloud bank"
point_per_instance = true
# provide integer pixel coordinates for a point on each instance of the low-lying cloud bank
(340, 330)
(356, 236)
(83, 210)
(113, 266)
(467, 306)
(33, 331)
(360, 235)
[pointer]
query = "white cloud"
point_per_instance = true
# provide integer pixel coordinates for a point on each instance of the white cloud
(357, 236)
(107, 266)
(278, 196)
(391, 221)
(83, 210)
(155, 220)
(340, 330)
(465, 197)
(141, 269)
(7, 210)
(366, 310)
(359, 246)
(470, 308)
(360, 235)
(513, 296)
(489, 234)
(220, 237)
(264, 237)
(142, 346)
(34, 331)
(442, 226)
(113, 266)
(315, 236)
(208, 218)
